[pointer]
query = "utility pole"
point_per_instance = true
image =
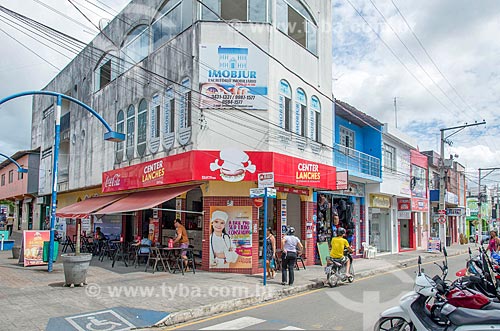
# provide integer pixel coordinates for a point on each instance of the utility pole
(396, 111)
(442, 193)
(479, 199)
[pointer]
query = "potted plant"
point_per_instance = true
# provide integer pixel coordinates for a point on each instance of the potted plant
(76, 264)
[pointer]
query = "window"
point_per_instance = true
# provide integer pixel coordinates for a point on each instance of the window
(155, 116)
(142, 120)
(106, 71)
(135, 47)
(347, 140)
(241, 10)
(169, 110)
(285, 105)
(11, 176)
(315, 119)
(20, 176)
(185, 106)
(120, 126)
(3, 180)
(130, 132)
(300, 112)
(295, 20)
(173, 18)
(418, 181)
(389, 158)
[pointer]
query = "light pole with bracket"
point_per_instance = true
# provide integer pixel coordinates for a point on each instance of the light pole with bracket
(110, 135)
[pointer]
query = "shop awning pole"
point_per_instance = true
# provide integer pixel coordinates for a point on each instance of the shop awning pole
(181, 211)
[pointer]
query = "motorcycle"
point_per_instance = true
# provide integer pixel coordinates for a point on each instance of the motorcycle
(413, 312)
(336, 272)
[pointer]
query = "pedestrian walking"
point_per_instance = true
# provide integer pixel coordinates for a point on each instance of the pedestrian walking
(270, 254)
(289, 256)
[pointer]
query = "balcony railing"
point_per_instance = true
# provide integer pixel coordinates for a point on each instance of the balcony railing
(356, 161)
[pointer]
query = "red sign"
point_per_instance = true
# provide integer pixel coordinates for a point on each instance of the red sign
(227, 165)
(33, 246)
(442, 212)
(442, 219)
(404, 204)
(292, 190)
(419, 204)
(258, 202)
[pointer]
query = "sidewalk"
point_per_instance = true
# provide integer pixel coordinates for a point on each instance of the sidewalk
(34, 299)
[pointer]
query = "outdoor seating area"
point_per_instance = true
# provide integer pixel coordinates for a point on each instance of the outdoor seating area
(138, 256)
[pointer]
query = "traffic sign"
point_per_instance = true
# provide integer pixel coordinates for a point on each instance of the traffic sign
(258, 202)
(257, 193)
(266, 179)
(442, 219)
(442, 212)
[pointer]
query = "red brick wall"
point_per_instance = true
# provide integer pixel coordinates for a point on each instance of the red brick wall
(222, 201)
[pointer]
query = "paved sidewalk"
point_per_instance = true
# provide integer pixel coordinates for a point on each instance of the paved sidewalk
(33, 299)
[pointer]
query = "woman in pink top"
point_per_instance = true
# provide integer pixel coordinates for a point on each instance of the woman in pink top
(494, 244)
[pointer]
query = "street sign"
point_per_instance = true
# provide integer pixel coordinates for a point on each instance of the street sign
(442, 219)
(442, 212)
(257, 193)
(266, 179)
(271, 193)
(258, 202)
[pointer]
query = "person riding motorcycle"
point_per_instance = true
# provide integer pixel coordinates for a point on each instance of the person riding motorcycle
(339, 244)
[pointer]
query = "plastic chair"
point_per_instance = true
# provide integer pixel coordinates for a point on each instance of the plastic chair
(143, 254)
(300, 259)
(369, 252)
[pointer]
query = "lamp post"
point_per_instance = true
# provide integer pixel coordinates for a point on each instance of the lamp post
(442, 193)
(19, 168)
(109, 135)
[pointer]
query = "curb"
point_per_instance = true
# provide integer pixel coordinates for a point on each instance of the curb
(272, 294)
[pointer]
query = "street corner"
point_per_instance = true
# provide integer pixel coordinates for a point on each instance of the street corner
(113, 319)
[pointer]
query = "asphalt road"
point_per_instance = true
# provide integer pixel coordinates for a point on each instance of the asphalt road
(348, 307)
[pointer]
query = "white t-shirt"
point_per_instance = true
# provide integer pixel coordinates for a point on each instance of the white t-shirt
(222, 244)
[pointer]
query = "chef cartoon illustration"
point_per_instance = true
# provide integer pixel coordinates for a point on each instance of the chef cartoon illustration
(233, 164)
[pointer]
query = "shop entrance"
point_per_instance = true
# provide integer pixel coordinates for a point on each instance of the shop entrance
(404, 234)
(293, 213)
(380, 230)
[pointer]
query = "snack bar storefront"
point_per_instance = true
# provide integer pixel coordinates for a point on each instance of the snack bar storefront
(210, 192)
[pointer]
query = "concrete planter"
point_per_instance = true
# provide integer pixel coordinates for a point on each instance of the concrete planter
(16, 250)
(75, 268)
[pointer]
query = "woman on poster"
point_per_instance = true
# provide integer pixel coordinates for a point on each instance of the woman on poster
(222, 251)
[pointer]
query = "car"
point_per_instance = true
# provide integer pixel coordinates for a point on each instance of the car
(485, 237)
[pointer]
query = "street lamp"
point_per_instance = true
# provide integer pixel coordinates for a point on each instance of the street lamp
(442, 202)
(110, 135)
(19, 168)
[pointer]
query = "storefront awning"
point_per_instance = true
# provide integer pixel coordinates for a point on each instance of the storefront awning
(83, 209)
(144, 200)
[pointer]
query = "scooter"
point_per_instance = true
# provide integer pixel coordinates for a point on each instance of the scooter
(335, 270)
(413, 313)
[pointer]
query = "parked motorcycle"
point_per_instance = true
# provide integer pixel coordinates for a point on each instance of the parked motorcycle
(336, 272)
(415, 312)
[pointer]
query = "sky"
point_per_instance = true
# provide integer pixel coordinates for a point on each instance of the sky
(439, 59)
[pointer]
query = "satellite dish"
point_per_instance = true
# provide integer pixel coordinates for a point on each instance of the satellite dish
(103, 22)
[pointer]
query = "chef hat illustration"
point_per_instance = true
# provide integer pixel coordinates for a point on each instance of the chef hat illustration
(219, 215)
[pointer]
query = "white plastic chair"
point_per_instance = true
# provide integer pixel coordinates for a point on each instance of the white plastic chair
(369, 252)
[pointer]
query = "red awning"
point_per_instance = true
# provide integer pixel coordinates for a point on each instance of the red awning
(82, 209)
(144, 200)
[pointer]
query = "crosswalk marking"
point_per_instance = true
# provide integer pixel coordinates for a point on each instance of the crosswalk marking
(291, 328)
(237, 324)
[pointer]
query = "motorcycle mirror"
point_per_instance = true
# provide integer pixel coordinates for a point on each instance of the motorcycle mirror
(445, 252)
(470, 252)
(419, 263)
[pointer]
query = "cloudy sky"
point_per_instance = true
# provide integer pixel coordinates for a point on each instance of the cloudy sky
(446, 77)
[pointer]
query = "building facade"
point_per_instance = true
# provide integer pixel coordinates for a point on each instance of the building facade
(29, 212)
(205, 110)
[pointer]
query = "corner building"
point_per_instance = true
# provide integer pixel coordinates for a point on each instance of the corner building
(209, 96)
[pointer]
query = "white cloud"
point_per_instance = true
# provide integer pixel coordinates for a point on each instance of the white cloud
(461, 37)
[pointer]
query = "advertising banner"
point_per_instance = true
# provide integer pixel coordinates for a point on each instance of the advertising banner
(230, 243)
(233, 77)
(33, 246)
(230, 165)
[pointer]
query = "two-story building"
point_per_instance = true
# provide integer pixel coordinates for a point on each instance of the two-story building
(390, 200)
(22, 189)
(206, 107)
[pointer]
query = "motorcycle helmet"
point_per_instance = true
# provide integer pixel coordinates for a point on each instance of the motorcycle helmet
(291, 231)
(340, 232)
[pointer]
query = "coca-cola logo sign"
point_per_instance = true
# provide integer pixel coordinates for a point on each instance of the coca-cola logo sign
(112, 181)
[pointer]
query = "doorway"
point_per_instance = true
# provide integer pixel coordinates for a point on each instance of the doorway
(293, 212)
(404, 234)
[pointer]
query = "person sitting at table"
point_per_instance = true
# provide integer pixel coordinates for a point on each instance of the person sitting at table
(182, 238)
(98, 234)
(146, 242)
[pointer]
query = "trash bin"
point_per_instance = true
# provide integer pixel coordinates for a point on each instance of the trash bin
(448, 241)
(46, 251)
